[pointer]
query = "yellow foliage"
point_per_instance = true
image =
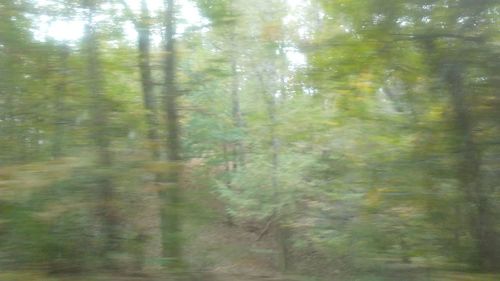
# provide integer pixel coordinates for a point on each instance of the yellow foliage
(158, 167)
(18, 181)
(374, 196)
(435, 112)
(272, 32)
(364, 83)
(53, 212)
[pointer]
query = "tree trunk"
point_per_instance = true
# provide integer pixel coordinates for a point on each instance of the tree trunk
(144, 43)
(98, 110)
(227, 169)
(148, 247)
(281, 232)
(59, 106)
(238, 157)
(170, 193)
(239, 153)
(480, 216)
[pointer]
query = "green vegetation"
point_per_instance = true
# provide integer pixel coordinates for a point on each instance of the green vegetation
(250, 140)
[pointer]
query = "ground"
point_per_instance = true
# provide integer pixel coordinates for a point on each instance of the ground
(219, 251)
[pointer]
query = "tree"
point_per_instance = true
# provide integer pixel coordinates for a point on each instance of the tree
(99, 109)
(170, 193)
(422, 46)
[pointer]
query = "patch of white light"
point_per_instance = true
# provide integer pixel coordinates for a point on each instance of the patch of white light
(294, 17)
(73, 29)
(61, 30)
(295, 57)
(404, 21)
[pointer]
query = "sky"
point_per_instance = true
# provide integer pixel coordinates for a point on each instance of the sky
(72, 30)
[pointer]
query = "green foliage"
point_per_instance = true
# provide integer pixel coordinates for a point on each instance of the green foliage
(220, 12)
(379, 149)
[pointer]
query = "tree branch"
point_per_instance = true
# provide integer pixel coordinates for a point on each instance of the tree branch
(266, 228)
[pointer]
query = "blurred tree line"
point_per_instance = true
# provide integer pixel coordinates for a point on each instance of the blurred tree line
(355, 133)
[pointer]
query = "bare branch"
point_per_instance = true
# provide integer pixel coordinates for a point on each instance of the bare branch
(267, 227)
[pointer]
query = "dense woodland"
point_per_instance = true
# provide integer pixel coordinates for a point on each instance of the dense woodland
(250, 140)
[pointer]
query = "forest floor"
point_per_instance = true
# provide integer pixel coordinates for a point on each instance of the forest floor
(218, 251)
(231, 253)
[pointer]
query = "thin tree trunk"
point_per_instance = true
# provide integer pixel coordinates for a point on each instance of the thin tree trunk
(281, 233)
(59, 105)
(170, 194)
(106, 213)
(227, 179)
(144, 32)
(239, 153)
(238, 157)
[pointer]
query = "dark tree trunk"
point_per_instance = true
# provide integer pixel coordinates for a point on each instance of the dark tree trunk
(170, 193)
(144, 32)
(469, 174)
(143, 27)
